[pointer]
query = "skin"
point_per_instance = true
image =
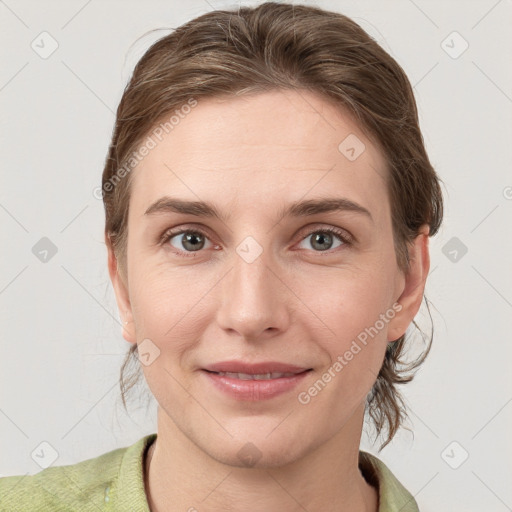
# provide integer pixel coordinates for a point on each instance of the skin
(251, 156)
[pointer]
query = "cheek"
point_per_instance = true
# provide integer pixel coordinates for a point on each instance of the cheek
(161, 296)
(354, 314)
(355, 311)
(164, 314)
(168, 308)
(347, 302)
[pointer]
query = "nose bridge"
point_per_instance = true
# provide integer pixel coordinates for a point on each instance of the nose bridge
(253, 299)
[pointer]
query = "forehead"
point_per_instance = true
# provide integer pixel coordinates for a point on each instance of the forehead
(261, 151)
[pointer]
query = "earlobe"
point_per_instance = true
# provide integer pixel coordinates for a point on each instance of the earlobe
(121, 294)
(128, 331)
(413, 280)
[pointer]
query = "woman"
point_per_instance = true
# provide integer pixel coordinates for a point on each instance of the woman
(269, 202)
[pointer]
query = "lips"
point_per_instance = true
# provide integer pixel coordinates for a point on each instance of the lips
(257, 376)
(251, 382)
(264, 368)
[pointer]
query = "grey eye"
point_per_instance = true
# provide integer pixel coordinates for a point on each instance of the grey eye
(323, 240)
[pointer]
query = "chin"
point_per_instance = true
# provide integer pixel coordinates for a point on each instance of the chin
(256, 448)
(251, 456)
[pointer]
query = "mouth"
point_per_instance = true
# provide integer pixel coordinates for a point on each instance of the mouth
(262, 368)
(253, 387)
(258, 376)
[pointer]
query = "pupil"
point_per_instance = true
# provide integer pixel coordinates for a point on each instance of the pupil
(193, 240)
(321, 239)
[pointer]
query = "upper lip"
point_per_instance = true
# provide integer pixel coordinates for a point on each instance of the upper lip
(254, 368)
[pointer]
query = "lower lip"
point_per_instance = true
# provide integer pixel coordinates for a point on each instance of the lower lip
(254, 390)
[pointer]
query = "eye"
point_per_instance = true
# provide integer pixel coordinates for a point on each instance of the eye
(185, 240)
(322, 239)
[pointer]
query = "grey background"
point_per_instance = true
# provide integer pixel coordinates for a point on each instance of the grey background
(61, 343)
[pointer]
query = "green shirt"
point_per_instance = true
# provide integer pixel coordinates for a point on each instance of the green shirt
(114, 481)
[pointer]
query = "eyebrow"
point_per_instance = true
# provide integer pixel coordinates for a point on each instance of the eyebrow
(304, 208)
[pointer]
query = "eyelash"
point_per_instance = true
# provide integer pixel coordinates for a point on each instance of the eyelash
(344, 237)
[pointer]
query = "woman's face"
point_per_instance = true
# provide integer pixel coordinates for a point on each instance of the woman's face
(263, 282)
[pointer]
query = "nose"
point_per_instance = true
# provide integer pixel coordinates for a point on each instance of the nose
(255, 299)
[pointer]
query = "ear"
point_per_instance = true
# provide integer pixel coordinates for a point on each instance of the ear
(413, 285)
(122, 295)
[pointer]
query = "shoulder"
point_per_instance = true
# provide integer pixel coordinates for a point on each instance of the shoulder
(392, 494)
(83, 486)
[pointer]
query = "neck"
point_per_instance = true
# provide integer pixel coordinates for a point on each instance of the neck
(180, 476)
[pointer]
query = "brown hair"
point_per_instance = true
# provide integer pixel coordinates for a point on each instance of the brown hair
(297, 47)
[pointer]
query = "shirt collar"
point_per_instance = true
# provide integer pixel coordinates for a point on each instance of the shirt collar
(129, 493)
(392, 494)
